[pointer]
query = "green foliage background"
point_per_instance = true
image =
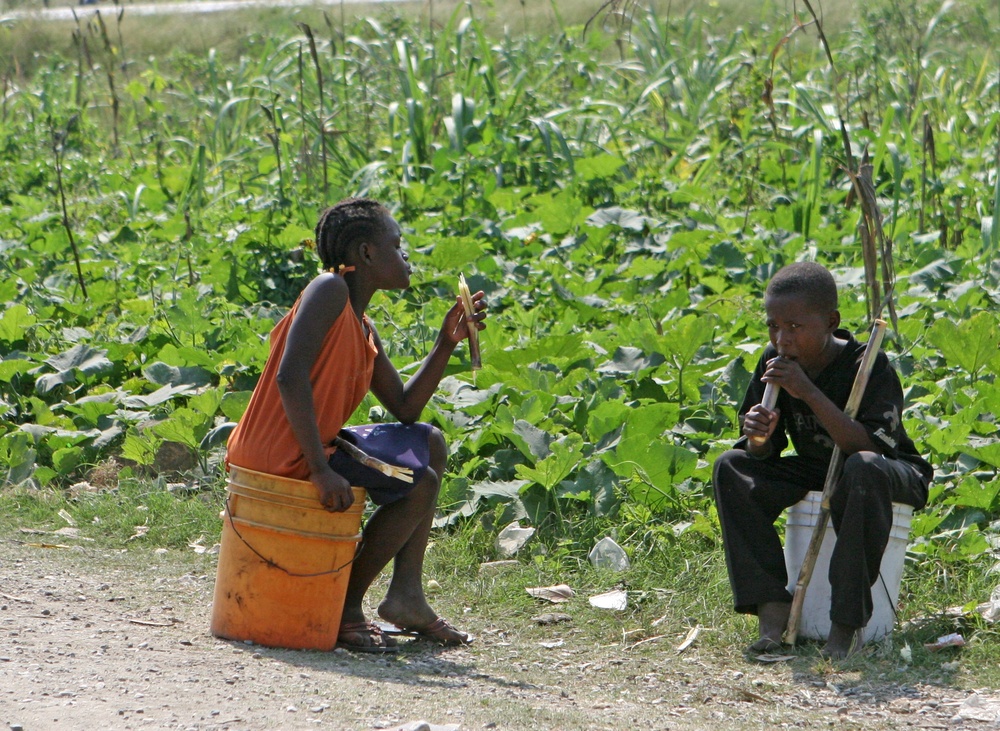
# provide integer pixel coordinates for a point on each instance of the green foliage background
(621, 194)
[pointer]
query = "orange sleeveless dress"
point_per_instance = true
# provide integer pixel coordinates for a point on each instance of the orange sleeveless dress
(341, 377)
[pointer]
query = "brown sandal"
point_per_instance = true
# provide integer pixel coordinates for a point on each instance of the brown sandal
(439, 631)
(377, 640)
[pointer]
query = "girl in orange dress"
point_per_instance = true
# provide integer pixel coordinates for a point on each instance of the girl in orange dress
(325, 357)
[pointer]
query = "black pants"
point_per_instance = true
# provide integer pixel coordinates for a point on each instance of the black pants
(750, 495)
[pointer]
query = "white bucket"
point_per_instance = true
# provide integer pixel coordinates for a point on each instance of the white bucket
(815, 623)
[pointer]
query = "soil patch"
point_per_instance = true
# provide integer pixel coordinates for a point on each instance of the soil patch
(99, 639)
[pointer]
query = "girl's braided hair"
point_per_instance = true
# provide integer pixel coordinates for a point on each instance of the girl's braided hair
(348, 222)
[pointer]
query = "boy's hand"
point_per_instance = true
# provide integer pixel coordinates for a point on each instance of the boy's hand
(456, 326)
(759, 424)
(335, 491)
(788, 374)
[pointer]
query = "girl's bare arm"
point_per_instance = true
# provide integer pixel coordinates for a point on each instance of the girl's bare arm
(406, 401)
(323, 300)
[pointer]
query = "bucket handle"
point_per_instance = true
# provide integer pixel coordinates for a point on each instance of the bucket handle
(271, 562)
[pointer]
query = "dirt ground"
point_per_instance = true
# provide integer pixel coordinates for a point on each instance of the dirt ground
(98, 639)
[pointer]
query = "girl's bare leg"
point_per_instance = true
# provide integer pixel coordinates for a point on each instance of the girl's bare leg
(399, 532)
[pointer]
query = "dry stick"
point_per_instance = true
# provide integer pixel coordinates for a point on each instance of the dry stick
(58, 140)
(832, 475)
(871, 218)
(400, 473)
(314, 54)
(871, 233)
(109, 70)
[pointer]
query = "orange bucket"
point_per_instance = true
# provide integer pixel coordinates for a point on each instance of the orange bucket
(284, 562)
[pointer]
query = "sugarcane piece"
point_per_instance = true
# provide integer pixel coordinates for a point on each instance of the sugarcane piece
(405, 474)
(466, 295)
(768, 402)
(832, 475)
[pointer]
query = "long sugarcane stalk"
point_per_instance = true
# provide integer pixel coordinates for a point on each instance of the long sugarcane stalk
(832, 475)
(400, 473)
(474, 356)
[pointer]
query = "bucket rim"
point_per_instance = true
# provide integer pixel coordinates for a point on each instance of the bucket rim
(294, 501)
(304, 486)
(355, 538)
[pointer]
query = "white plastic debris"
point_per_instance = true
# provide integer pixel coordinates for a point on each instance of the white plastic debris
(616, 599)
(557, 594)
(512, 539)
(606, 554)
(952, 640)
(980, 708)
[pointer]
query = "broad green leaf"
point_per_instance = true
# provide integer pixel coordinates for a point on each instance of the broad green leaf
(532, 441)
(66, 460)
(988, 452)
(971, 344)
(80, 358)
(685, 336)
(971, 493)
(217, 436)
(455, 253)
(605, 418)
(235, 403)
(599, 166)
(17, 458)
(620, 217)
(140, 449)
(552, 470)
(13, 367)
(167, 375)
(630, 361)
(185, 426)
(159, 396)
(15, 321)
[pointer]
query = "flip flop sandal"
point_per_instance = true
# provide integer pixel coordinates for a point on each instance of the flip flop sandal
(379, 643)
(763, 645)
(440, 630)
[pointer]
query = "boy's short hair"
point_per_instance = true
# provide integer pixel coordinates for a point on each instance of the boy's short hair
(805, 279)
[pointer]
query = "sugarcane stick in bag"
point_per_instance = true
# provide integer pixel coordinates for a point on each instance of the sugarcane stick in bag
(404, 474)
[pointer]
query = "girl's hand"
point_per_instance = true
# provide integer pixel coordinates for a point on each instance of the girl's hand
(335, 491)
(456, 325)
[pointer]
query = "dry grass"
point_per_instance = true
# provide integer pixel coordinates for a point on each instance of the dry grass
(232, 33)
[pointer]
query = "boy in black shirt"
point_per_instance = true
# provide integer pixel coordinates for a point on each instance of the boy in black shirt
(814, 362)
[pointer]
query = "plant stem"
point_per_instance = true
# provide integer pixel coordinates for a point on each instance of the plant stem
(57, 147)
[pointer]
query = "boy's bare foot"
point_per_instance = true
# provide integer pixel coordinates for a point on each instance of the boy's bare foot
(843, 641)
(773, 618)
